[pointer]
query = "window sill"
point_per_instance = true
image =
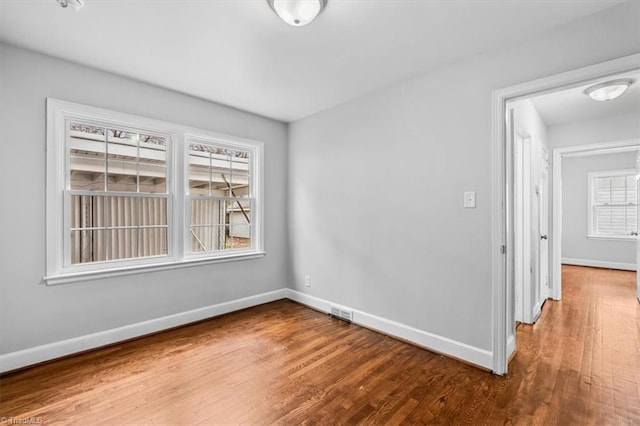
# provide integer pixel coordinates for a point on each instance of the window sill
(612, 237)
(141, 269)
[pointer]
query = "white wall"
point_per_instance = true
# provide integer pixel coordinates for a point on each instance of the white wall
(616, 128)
(376, 185)
(575, 199)
(528, 121)
(33, 314)
(574, 192)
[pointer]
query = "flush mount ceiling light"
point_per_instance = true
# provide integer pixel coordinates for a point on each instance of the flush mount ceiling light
(608, 90)
(297, 12)
(75, 3)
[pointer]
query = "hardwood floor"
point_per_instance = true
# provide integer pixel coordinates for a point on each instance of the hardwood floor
(286, 364)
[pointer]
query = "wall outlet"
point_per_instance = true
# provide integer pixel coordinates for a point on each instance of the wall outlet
(307, 280)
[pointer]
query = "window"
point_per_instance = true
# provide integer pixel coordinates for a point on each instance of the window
(220, 197)
(127, 194)
(613, 204)
(117, 197)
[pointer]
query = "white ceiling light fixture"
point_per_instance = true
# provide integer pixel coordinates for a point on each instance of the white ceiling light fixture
(77, 4)
(297, 12)
(608, 90)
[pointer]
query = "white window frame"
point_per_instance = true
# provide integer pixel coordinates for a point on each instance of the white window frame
(208, 139)
(58, 267)
(591, 217)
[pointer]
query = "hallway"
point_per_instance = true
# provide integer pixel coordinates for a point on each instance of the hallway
(581, 361)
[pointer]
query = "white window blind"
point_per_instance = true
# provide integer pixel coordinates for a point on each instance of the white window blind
(614, 204)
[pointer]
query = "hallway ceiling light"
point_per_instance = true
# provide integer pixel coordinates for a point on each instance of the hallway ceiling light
(297, 12)
(609, 90)
(77, 4)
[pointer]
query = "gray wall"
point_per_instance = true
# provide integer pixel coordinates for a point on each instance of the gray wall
(376, 185)
(574, 242)
(575, 199)
(33, 314)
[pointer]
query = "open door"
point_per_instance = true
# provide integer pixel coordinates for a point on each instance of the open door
(543, 245)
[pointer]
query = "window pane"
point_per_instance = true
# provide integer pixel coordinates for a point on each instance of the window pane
(201, 237)
(123, 244)
(218, 171)
(200, 170)
(632, 219)
(122, 161)
(120, 221)
(207, 212)
(221, 239)
(88, 246)
(603, 190)
(632, 190)
(87, 157)
(240, 174)
(209, 238)
(153, 241)
(87, 212)
(153, 211)
(618, 190)
(603, 220)
(616, 220)
(123, 211)
(616, 199)
(152, 163)
(239, 217)
(209, 225)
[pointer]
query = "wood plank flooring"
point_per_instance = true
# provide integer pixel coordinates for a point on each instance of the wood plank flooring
(283, 363)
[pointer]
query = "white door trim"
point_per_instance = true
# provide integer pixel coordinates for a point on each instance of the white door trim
(627, 145)
(502, 186)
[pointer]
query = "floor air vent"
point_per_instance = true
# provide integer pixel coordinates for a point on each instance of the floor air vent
(342, 314)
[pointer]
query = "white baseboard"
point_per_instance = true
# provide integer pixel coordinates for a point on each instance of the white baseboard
(23, 358)
(433, 342)
(14, 360)
(599, 264)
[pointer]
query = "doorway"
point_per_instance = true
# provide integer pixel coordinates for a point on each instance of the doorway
(504, 196)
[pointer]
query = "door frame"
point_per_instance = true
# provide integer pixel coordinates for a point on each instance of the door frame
(520, 220)
(614, 147)
(502, 190)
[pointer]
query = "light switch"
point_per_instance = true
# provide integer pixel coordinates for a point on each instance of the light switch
(470, 200)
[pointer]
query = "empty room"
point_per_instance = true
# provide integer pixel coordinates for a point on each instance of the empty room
(193, 229)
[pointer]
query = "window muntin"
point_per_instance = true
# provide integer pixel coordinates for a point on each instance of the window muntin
(613, 204)
(117, 194)
(220, 198)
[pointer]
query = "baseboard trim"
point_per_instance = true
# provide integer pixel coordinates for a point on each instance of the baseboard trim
(449, 347)
(599, 264)
(19, 359)
(452, 348)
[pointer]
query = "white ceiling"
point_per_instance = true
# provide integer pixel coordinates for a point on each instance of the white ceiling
(237, 52)
(572, 105)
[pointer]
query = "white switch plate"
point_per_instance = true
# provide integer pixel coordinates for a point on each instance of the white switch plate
(470, 200)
